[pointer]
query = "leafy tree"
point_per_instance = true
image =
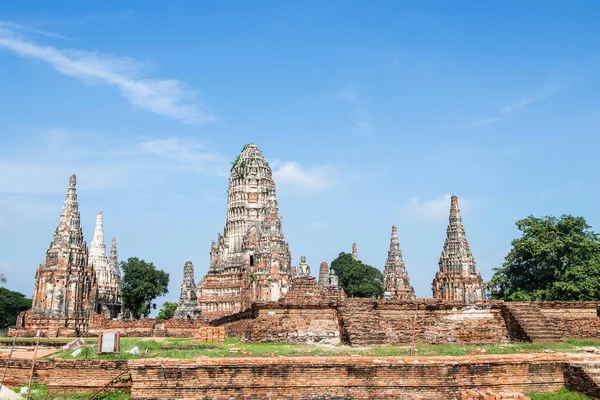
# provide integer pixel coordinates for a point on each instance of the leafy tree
(142, 284)
(341, 265)
(357, 279)
(554, 259)
(167, 310)
(11, 304)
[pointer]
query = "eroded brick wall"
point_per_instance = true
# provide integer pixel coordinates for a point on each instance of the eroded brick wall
(368, 321)
(575, 319)
(343, 377)
(489, 395)
(69, 375)
(289, 324)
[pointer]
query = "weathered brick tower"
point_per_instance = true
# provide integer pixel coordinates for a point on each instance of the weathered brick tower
(396, 282)
(66, 289)
(457, 278)
(251, 261)
(107, 271)
(188, 307)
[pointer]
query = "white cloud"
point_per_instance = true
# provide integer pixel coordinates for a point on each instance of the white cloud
(23, 28)
(168, 97)
(483, 121)
(104, 164)
(541, 94)
(524, 101)
(185, 155)
(313, 178)
(432, 210)
(318, 225)
(438, 210)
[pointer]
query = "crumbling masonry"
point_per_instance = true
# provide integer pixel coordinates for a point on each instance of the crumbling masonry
(396, 282)
(107, 272)
(188, 307)
(251, 261)
(66, 288)
(457, 279)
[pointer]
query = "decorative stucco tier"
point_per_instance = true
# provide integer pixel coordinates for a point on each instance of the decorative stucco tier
(188, 307)
(107, 271)
(66, 288)
(251, 260)
(396, 282)
(457, 278)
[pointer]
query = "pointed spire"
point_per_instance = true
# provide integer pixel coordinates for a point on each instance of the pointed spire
(354, 252)
(394, 242)
(188, 306)
(458, 278)
(66, 262)
(69, 230)
(395, 277)
(97, 247)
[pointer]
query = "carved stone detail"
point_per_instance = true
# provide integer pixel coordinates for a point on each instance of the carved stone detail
(188, 307)
(457, 278)
(251, 260)
(396, 282)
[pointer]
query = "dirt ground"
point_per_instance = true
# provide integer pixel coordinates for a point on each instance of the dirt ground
(27, 352)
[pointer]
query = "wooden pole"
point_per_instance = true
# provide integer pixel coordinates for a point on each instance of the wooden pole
(8, 360)
(107, 385)
(412, 343)
(37, 342)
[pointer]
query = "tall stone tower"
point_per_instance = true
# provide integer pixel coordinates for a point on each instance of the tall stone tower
(457, 278)
(354, 252)
(251, 260)
(396, 282)
(107, 271)
(188, 307)
(66, 289)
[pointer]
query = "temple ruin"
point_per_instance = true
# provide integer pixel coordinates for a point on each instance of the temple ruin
(354, 252)
(457, 279)
(188, 307)
(251, 260)
(107, 272)
(66, 288)
(396, 282)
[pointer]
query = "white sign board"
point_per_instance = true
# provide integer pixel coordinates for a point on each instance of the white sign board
(108, 342)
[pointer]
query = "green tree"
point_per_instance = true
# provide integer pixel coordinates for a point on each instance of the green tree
(554, 259)
(341, 265)
(11, 304)
(167, 310)
(142, 284)
(357, 279)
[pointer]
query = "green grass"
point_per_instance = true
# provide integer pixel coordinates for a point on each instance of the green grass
(40, 392)
(235, 348)
(562, 394)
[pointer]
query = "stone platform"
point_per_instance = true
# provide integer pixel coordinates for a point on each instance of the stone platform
(344, 377)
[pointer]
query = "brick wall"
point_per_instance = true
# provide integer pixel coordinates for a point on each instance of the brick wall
(489, 395)
(343, 377)
(289, 324)
(368, 321)
(575, 319)
(69, 375)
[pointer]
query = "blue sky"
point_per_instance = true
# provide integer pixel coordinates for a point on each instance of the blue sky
(370, 113)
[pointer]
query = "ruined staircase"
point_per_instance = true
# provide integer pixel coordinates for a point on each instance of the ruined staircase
(535, 325)
(584, 377)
